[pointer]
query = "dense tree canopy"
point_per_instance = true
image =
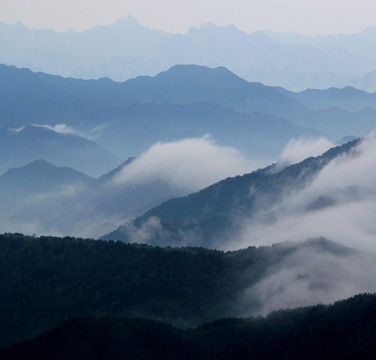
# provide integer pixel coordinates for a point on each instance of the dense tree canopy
(345, 330)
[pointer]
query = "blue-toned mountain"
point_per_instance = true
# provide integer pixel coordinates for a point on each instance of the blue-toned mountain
(213, 216)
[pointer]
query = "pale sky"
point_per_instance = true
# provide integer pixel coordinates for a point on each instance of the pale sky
(302, 16)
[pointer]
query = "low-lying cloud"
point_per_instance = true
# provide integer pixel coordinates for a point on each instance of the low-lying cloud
(165, 170)
(189, 164)
(299, 149)
(311, 275)
(63, 211)
(339, 204)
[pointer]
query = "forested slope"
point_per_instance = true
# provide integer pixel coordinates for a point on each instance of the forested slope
(46, 280)
(345, 330)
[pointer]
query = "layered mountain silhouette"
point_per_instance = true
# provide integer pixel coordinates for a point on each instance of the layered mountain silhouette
(182, 259)
(185, 101)
(40, 176)
(43, 198)
(182, 84)
(347, 98)
(127, 49)
(31, 142)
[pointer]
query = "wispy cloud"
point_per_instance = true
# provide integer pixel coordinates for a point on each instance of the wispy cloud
(59, 128)
(189, 164)
(338, 204)
(62, 129)
(310, 275)
(16, 130)
(299, 149)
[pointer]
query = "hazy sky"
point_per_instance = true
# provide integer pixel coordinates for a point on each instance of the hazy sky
(302, 16)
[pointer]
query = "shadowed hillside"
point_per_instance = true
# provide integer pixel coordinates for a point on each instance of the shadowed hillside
(345, 330)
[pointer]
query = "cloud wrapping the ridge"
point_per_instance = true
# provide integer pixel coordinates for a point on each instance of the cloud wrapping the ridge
(188, 164)
(340, 205)
(59, 128)
(185, 166)
(311, 276)
(344, 193)
(299, 149)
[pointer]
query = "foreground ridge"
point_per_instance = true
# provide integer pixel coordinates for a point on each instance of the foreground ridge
(345, 330)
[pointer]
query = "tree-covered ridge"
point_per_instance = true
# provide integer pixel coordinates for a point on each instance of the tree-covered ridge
(46, 280)
(233, 194)
(212, 211)
(345, 330)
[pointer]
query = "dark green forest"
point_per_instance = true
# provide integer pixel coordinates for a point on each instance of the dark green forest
(345, 330)
(47, 280)
(116, 300)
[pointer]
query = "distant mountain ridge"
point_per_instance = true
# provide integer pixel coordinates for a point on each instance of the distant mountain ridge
(208, 100)
(127, 49)
(201, 84)
(347, 98)
(32, 142)
(129, 117)
(367, 82)
(40, 175)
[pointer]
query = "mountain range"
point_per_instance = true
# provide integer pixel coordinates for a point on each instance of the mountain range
(81, 123)
(127, 49)
(185, 101)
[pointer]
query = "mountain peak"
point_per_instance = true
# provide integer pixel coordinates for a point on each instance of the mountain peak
(201, 68)
(39, 163)
(198, 72)
(127, 21)
(40, 176)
